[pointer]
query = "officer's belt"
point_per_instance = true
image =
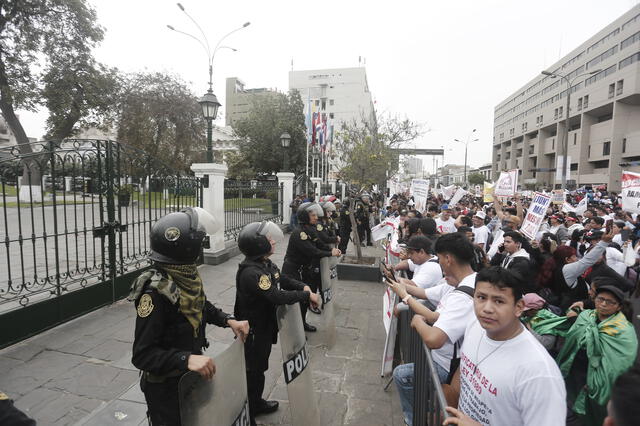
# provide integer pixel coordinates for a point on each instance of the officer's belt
(160, 378)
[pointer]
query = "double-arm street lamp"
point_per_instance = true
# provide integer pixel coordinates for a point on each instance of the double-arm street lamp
(208, 102)
(466, 146)
(566, 121)
(285, 140)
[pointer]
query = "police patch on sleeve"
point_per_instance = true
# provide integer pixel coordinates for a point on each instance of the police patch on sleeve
(145, 307)
(265, 283)
(3, 396)
(319, 227)
(303, 236)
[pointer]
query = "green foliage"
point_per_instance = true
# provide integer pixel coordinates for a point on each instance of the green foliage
(160, 115)
(366, 155)
(270, 116)
(475, 179)
(36, 38)
(238, 166)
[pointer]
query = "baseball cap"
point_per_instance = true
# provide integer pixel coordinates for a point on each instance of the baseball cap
(593, 235)
(482, 215)
(445, 207)
(533, 301)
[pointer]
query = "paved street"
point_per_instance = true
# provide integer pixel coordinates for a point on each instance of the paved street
(80, 372)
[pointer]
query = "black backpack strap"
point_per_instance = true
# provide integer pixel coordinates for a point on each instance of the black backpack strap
(466, 290)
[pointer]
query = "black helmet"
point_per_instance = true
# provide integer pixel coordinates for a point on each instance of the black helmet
(253, 240)
(177, 238)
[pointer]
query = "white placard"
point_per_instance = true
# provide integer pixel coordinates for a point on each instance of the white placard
(507, 184)
(559, 168)
(420, 192)
(457, 196)
(447, 191)
(631, 192)
(535, 215)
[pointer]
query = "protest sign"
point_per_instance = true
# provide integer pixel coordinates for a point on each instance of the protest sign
(507, 184)
(488, 192)
(557, 197)
(420, 192)
(582, 206)
(559, 161)
(631, 192)
(535, 215)
(457, 196)
(447, 191)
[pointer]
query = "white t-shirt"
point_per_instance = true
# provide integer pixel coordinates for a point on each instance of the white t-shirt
(515, 382)
(456, 310)
(481, 235)
(615, 260)
(426, 275)
(446, 226)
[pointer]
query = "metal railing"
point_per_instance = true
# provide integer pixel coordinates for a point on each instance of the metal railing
(428, 399)
(250, 201)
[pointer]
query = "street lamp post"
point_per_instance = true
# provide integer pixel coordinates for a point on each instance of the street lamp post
(565, 145)
(285, 140)
(208, 102)
(466, 146)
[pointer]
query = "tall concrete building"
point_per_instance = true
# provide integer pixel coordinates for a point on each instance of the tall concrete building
(239, 98)
(604, 123)
(341, 95)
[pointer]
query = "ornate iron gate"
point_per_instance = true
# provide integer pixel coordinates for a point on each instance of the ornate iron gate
(82, 236)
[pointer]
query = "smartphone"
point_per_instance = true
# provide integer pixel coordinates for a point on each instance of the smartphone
(386, 271)
(609, 225)
(625, 234)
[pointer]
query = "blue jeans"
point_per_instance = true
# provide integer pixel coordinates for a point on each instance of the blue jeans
(403, 377)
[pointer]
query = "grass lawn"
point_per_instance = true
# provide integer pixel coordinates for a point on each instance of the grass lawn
(231, 204)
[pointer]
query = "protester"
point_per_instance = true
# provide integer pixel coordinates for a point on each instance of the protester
(425, 267)
(445, 222)
(480, 231)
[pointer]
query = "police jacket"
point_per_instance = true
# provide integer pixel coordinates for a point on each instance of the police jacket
(362, 213)
(345, 219)
(305, 246)
(260, 288)
(164, 338)
(326, 232)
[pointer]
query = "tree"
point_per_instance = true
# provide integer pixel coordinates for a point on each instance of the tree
(238, 166)
(271, 116)
(475, 179)
(161, 116)
(365, 149)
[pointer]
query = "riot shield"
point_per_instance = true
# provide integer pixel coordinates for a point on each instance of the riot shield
(222, 400)
(329, 275)
(297, 372)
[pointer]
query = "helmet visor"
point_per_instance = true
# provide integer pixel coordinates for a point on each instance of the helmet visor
(329, 206)
(271, 231)
(202, 220)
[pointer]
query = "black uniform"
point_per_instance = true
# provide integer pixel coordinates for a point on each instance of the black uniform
(10, 415)
(345, 228)
(362, 216)
(164, 339)
(259, 290)
(302, 260)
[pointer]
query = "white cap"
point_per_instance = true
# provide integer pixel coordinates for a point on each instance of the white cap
(482, 215)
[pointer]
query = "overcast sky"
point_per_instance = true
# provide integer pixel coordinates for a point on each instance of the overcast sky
(445, 64)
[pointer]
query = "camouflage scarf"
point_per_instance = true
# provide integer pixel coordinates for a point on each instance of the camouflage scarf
(183, 285)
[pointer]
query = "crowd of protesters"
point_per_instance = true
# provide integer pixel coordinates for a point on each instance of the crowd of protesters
(522, 331)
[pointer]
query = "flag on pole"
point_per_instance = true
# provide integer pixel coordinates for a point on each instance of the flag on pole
(308, 118)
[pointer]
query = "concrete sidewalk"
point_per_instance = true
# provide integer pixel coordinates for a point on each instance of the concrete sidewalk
(81, 372)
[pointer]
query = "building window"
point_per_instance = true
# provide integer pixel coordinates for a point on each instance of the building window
(585, 104)
(624, 145)
(612, 90)
(555, 114)
(620, 85)
(560, 112)
(630, 60)
(512, 131)
(330, 115)
(553, 144)
(602, 74)
(531, 150)
(324, 104)
(317, 102)
(606, 148)
(331, 102)
(579, 104)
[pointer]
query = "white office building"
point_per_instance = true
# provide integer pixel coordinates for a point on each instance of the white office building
(604, 124)
(341, 95)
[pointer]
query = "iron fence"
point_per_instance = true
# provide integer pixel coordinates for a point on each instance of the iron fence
(428, 399)
(76, 228)
(250, 201)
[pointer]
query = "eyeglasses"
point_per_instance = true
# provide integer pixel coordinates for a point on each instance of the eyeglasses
(606, 302)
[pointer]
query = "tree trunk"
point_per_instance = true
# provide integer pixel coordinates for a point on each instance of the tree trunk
(354, 229)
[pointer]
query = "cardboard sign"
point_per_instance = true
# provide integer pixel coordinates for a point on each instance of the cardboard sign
(631, 192)
(447, 191)
(535, 215)
(457, 196)
(488, 192)
(507, 184)
(557, 197)
(420, 192)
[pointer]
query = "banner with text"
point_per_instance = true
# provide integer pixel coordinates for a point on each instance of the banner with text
(557, 197)
(535, 215)
(420, 192)
(507, 184)
(631, 192)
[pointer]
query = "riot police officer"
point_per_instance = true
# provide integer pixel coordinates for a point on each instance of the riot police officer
(172, 313)
(304, 247)
(259, 290)
(345, 226)
(326, 226)
(363, 211)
